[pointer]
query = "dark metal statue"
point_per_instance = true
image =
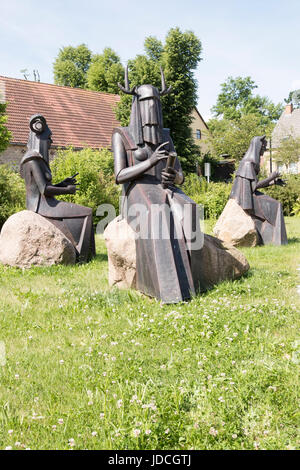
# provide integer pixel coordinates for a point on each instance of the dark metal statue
(147, 166)
(266, 212)
(73, 220)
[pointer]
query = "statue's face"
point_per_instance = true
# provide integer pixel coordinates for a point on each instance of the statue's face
(150, 112)
(42, 142)
(263, 147)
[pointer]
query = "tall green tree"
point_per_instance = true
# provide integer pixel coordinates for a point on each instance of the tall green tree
(179, 56)
(232, 137)
(105, 72)
(239, 116)
(237, 99)
(5, 135)
(294, 97)
(288, 150)
(71, 65)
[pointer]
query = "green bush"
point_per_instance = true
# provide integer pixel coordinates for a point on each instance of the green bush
(96, 176)
(287, 194)
(12, 193)
(212, 196)
(296, 207)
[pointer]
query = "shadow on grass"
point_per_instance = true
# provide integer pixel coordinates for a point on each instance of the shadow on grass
(293, 240)
(101, 257)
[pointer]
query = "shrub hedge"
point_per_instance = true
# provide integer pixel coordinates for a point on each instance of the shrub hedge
(12, 193)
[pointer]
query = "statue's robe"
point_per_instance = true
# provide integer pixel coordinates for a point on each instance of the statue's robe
(75, 221)
(265, 211)
(166, 266)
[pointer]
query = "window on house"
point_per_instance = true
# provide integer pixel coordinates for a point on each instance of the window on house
(198, 134)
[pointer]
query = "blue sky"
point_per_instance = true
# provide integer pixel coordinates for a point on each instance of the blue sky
(239, 38)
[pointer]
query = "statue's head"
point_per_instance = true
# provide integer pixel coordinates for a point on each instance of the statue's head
(39, 136)
(146, 121)
(256, 149)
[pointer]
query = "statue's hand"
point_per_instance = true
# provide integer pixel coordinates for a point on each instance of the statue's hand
(168, 176)
(159, 154)
(71, 188)
(280, 182)
(274, 175)
(69, 181)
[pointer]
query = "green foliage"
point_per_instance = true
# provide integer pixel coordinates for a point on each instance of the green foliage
(294, 97)
(95, 168)
(233, 137)
(179, 57)
(153, 48)
(288, 150)
(296, 207)
(105, 72)
(212, 196)
(5, 135)
(236, 99)
(239, 116)
(12, 193)
(288, 194)
(71, 65)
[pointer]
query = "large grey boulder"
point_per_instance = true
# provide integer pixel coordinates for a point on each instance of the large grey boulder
(28, 239)
(236, 227)
(219, 261)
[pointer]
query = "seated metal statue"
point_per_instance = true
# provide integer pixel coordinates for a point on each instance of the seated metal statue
(73, 220)
(167, 266)
(265, 212)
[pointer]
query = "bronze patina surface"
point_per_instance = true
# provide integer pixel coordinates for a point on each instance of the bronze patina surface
(265, 211)
(73, 220)
(149, 169)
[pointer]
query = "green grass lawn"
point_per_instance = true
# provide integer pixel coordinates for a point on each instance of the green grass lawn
(89, 367)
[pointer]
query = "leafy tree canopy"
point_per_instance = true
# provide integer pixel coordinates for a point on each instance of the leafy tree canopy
(237, 99)
(71, 65)
(288, 150)
(294, 97)
(105, 72)
(232, 137)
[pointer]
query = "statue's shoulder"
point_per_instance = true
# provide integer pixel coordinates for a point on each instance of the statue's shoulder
(31, 155)
(126, 137)
(246, 169)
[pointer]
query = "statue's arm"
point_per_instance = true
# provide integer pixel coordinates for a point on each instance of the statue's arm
(124, 173)
(268, 181)
(45, 187)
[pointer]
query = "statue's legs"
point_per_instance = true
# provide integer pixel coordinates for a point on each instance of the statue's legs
(163, 264)
(76, 223)
(269, 220)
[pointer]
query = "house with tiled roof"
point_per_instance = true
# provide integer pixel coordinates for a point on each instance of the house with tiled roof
(287, 126)
(76, 117)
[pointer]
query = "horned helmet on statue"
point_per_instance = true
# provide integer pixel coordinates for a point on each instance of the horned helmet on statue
(146, 121)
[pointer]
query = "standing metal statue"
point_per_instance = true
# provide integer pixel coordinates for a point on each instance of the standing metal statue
(147, 165)
(266, 212)
(73, 220)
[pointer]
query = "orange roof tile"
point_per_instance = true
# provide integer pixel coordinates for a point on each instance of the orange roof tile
(81, 118)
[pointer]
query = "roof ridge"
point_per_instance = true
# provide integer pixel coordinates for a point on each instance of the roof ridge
(59, 86)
